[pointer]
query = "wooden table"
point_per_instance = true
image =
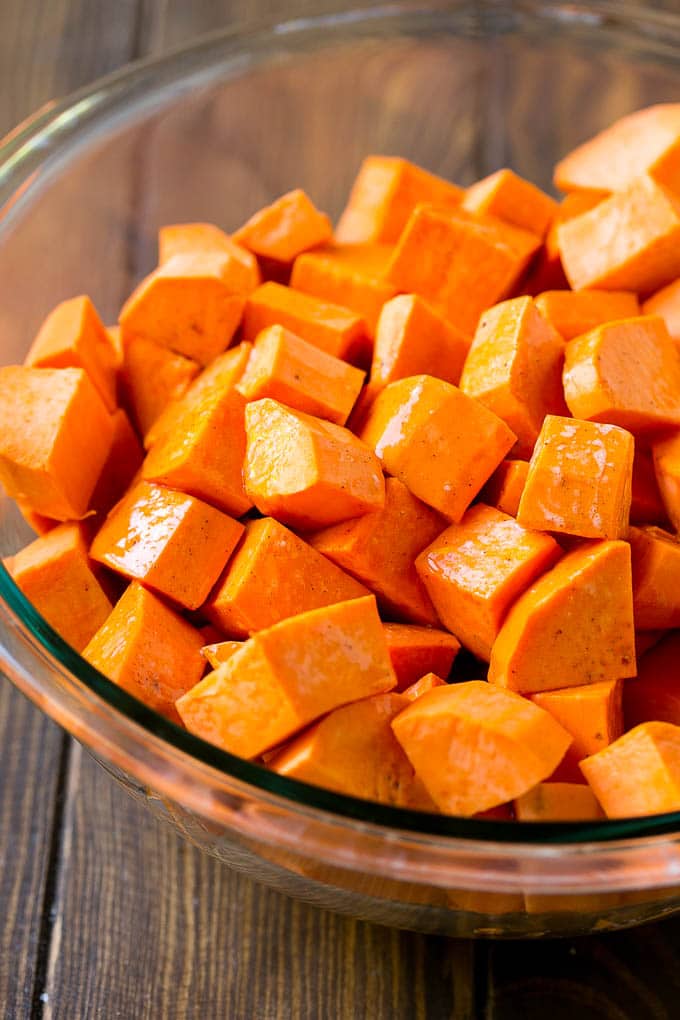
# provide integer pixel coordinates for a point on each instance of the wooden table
(106, 914)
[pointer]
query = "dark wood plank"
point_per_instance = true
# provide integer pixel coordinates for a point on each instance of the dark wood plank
(149, 927)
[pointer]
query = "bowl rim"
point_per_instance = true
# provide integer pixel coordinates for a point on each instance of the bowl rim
(33, 144)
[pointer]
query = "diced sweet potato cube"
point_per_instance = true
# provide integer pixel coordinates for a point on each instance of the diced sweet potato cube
(192, 304)
(625, 373)
(148, 650)
(656, 578)
(122, 464)
(646, 505)
(206, 238)
(440, 253)
(73, 336)
(546, 272)
(287, 676)
(273, 575)
(475, 570)
(440, 443)
(307, 472)
(514, 367)
(151, 376)
(475, 747)
(380, 548)
(385, 193)
(579, 480)
(286, 228)
(56, 576)
(55, 436)
(220, 652)
(666, 454)
(506, 485)
(422, 686)
(573, 312)
(654, 695)
(288, 369)
(558, 802)
(666, 303)
(415, 651)
(573, 626)
(509, 197)
(176, 544)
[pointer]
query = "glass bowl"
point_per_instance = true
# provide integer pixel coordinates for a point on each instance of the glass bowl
(211, 133)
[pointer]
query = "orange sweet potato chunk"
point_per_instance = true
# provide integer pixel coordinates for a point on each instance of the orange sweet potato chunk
(220, 652)
(151, 376)
(475, 570)
(287, 676)
(666, 454)
(148, 650)
(353, 751)
(506, 485)
(631, 241)
(55, 436)
(666, 303)
(413, 338)
(579, 479)
(646, 505)
(440, 443)
(288, 369)
(332, 328)
(573, 312)
(558, 802)
(380, 549)
(656, 578)
(192, 304)
(475, 747)
(273, 575)
(639, 774)
(73, 336)
(122, 464)
(440, 253)
(511, 198)
(626, 373)
(546, 272)
(307, 472)
(56, 576)
(573, 626)
(385, 193)
(206, 238)
(415, 651)
(286, 228)
(422, 686)
(654, 695)
(514, 367)
(175, 544)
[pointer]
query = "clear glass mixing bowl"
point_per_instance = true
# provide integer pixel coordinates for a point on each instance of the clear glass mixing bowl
(211, 133)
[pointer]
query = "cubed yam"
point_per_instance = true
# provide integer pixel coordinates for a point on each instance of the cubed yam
(506, 485)
(440, 253)
(573, 312)
(654, 695)
(422, 686)
(644, 142)
(192, 304)
(55, 436)
(73, 336)
(573, 626)
(475, 746)
(592, 714)
(511, 198)
(348, 274)
(286, 368)
(639, 774)
(206, 239)
(380, 549)
(476, 569)
(558, 802)
(579, 479)
(56, 576)
(385, 193)
(151, 377)
(307, 472)
(122, 464)
(202, 450)
(286, 228)
(514, 367)
(646, 504)
(173, 543)
(353, 750)
(625, 373)
(442, 444)
(630, 241)
(221, 375)
(116, 339)
(219, 652)
(412, 338)
(666, 455)
(546, 272)
(41, 525)
(287, 676)
(656, 578)
(273, 575)
(415, 651)
(331, 328)
(148, 650)
(666, 303)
